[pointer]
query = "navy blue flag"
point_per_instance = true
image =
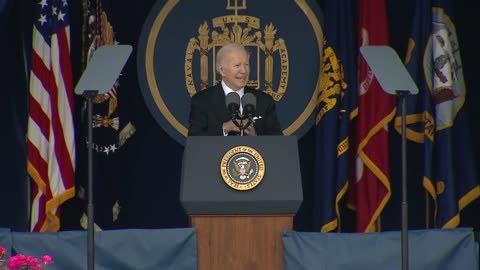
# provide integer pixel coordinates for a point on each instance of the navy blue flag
(337, 95)
(456, 183)
(419, 108)
(419, 111)
(436, 116)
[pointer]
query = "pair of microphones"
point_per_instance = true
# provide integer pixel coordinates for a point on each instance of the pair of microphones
(248, 103)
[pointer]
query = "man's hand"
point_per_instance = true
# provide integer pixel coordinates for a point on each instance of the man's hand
(229, 126)
(250, 130)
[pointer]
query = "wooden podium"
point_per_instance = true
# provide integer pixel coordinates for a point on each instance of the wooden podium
(240, 242)
(240, 230)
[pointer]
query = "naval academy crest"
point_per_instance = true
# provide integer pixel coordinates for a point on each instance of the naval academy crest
(180, 39)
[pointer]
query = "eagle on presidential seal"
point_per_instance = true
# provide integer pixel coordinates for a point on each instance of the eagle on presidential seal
(242, 167)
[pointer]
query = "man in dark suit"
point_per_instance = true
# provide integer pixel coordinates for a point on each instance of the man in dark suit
(208, 112)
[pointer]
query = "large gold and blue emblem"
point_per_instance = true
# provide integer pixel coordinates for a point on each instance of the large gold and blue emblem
(180, 38)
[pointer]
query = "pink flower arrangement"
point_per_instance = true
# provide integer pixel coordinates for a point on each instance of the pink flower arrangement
(22, 262)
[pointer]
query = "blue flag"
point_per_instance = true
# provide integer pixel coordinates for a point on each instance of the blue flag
(436, 116)
(335, 103)
(419, 108)
(455, 181)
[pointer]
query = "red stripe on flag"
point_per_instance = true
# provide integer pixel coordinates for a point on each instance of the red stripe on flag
(66, 65)
(39, 117)
(61, 152)
(41, 210)
(36, 159)
(40, 70)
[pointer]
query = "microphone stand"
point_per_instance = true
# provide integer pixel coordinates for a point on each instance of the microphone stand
(235, 117)
(250, 121)
(243, 127)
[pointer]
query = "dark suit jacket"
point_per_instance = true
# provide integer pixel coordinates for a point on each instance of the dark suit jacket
(208, 112)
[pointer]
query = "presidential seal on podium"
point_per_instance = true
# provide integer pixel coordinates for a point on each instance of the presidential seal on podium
(242, 168)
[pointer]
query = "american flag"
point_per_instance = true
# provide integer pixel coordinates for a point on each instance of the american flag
(51, 142)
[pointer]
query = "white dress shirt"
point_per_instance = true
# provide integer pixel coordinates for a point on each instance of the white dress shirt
(227, 90)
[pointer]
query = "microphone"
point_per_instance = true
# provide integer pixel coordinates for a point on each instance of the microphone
(249, 104)
(232, 101)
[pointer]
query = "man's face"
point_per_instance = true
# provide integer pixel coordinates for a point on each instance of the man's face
(235, 68)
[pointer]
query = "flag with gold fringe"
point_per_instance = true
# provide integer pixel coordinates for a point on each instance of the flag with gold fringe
(335, 108)
(50, 136)
(371, 187)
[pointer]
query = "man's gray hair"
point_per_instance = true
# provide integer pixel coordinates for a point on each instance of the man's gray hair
(221, 53)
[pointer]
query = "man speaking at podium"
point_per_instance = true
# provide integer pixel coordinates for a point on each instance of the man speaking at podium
(231, 107)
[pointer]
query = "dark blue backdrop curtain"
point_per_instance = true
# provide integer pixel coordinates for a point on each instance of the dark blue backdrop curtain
(13, 114)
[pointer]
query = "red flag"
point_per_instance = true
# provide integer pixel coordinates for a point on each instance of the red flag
(375, 109)
(51, 142)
